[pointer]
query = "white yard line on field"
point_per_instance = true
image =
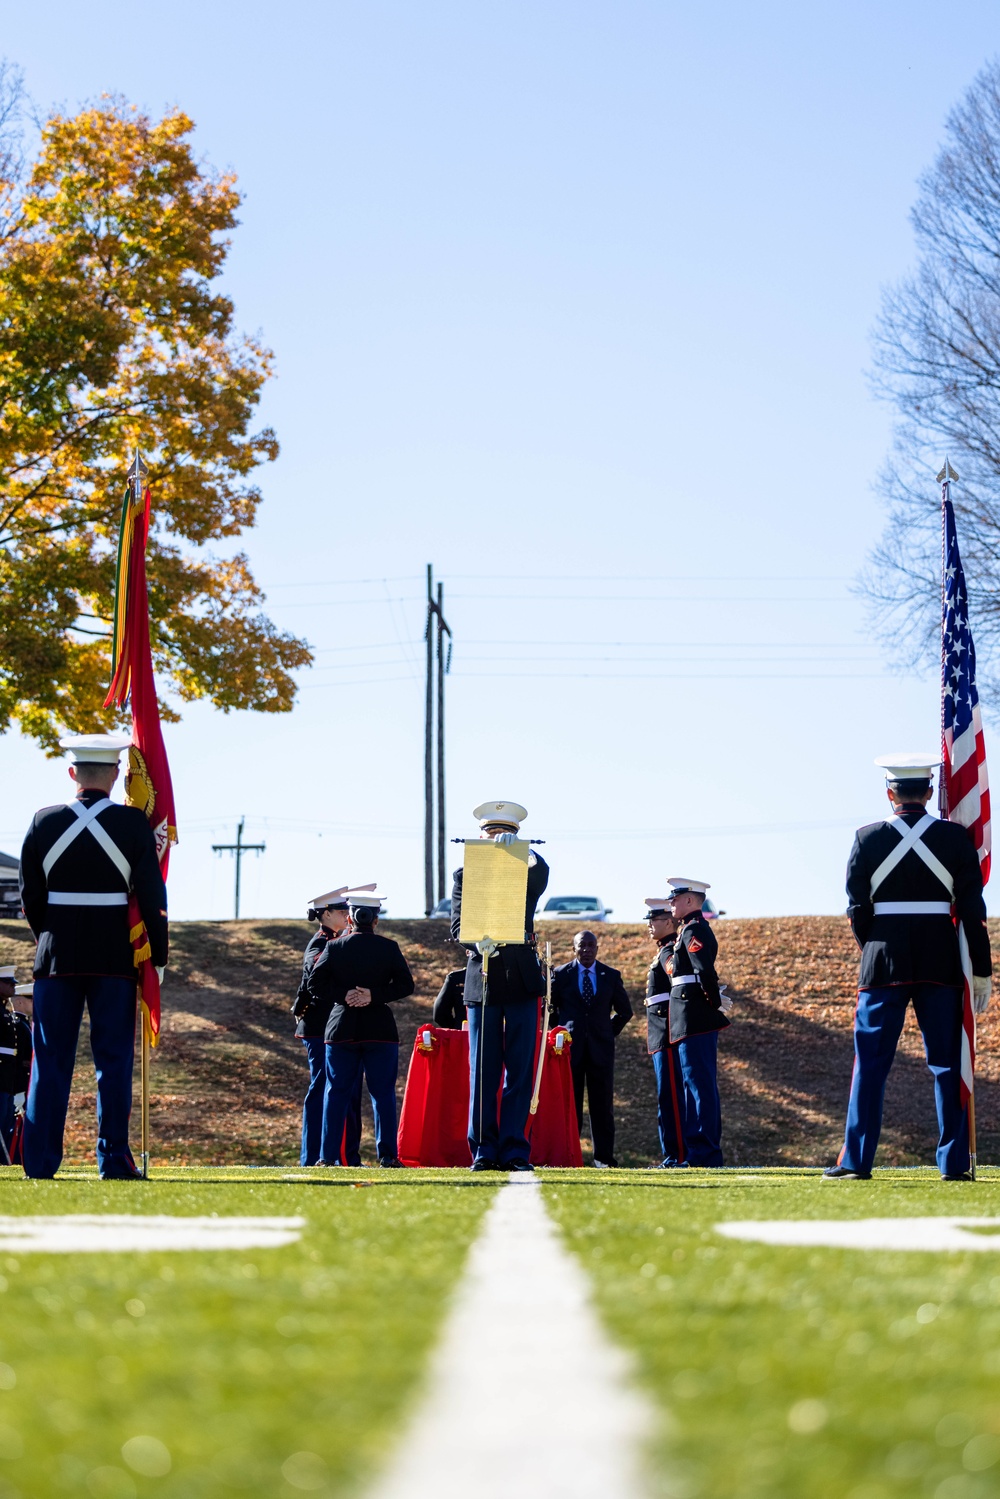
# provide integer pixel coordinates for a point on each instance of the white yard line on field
(526, 1396)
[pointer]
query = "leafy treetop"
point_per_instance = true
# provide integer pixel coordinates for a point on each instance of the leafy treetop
(111, 337)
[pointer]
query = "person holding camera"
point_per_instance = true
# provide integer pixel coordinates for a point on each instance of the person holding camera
(358, 977)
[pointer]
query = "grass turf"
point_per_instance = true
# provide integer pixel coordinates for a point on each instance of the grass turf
(792, 1373)
(261, 1372)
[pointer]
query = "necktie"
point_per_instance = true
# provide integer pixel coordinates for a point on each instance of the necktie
(588, 987)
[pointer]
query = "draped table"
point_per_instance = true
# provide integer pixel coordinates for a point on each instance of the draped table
(434, 1123)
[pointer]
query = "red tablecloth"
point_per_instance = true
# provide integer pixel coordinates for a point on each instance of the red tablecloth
(434, 1123)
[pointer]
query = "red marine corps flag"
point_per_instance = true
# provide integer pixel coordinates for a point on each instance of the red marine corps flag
(964, 784)
(147, 782)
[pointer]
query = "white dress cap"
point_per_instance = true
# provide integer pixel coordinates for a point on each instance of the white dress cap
(907, 767)
(365, 895)
(95, 749)
(509, 814)
(7, 972)
(336, 897)
(657, 902)
(682, 886)
(331, 898)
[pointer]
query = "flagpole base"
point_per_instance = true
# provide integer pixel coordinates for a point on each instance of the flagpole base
(144, 1158)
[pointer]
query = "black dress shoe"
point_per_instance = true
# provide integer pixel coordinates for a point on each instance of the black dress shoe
(481, 1164)
(844, 1173)
(958, 1176)
(122, 1171)
(516, 1166)
(390, 1160)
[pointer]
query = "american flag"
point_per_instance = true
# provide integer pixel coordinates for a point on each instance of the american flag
(965, 787)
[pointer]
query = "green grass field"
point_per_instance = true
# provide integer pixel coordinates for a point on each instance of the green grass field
(780, 1373)
(261, 1372)
(790, 1373)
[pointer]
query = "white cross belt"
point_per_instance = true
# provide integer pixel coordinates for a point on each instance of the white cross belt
(912, 908)
(88, 898)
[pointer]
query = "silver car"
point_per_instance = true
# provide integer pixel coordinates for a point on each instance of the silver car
(583, 909)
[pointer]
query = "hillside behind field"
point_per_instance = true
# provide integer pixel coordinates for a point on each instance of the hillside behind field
(228, 1077)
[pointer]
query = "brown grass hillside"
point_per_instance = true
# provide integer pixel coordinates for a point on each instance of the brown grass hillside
(228, 1077)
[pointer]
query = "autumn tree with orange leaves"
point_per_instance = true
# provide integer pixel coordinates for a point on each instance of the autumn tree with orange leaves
(112, 336)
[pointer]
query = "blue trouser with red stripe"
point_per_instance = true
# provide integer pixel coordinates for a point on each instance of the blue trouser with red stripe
(58, 1012)
(670, 1105)
(698, 1056)
(312, 1110)
(878, 1022)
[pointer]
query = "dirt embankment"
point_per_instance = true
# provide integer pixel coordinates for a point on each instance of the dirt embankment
(228, 1077)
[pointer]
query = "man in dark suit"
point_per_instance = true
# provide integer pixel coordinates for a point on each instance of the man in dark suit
(915, 891)
(79, 864)
(590, 1000)
(503, 1030)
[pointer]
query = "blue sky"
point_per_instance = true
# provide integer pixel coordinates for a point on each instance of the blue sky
(572, 301)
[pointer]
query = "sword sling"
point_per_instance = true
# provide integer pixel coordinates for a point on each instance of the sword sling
(545, 1029)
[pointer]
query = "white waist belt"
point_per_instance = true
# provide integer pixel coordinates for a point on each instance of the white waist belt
(912, 908)
(685, 978)
(8, 1051)
(88, 898)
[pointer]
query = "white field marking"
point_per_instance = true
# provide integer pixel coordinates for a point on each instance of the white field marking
(871, 1233)
(525, 1397)
(119, 1233)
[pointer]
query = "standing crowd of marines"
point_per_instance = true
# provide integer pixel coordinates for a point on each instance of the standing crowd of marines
(916, 908)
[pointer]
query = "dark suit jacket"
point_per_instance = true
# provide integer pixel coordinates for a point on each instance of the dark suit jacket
(449, 1007)
(918, 949)
(361, 960)
(92, 939)
(594, 1026)
(515, 974)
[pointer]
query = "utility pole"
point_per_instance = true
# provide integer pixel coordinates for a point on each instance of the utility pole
(435, 630)
(239, 848)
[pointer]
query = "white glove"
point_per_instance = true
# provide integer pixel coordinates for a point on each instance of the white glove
(981, 990)
(160, 972)
(725, 1004)
(504, 837)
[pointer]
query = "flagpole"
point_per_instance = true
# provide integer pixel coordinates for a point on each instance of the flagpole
(136, 475)
(945, 479)
(144, 1074)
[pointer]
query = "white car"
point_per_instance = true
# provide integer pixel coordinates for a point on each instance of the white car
(583, 909)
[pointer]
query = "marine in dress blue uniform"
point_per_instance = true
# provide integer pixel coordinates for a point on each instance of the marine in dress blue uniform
(591, 1001)
(359, 976)
(912, 881)
(78, 864)
(330, 910)
(504, 1029)
(666, 1061)
(697, 1015)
